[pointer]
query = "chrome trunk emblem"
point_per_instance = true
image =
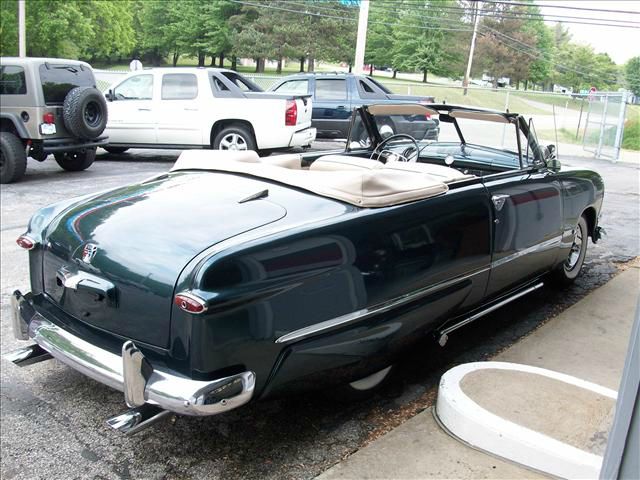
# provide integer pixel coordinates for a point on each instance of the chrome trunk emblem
(88, 252)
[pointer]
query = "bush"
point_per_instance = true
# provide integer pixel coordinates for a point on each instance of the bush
(631, 139)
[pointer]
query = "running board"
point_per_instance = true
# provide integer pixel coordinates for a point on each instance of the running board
(137, 419)
(28, 355)
(443, 335)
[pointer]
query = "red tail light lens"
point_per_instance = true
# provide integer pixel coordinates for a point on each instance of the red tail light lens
(291, 114)
(26, 242)
(190, 303)
(48, 118)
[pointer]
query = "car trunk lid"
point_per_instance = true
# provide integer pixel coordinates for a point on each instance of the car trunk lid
(113, 261)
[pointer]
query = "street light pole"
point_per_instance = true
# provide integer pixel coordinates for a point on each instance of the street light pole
(22, 42)
(362, 35)
(465, 82)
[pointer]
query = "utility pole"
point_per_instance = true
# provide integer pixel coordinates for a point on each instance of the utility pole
(22, 42)
(465, 82)
(362, 35)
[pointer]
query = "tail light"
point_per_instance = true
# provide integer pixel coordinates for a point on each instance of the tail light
(291, 114)
(26, 242)
(48, 117)
(190, 303)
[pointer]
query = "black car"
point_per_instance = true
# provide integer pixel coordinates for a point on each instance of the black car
(234, 278)
(337, 95)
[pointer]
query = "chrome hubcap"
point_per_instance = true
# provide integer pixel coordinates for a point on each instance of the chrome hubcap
(233, 141)
(576, 248)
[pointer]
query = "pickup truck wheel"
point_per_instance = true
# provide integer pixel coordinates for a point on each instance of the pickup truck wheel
(571, 267)
(116, 150)
(362, 388)
(84, 112)
(234, 138)
(13, 158)
(76, 161)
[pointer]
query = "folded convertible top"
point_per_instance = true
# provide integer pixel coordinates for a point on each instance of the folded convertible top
(363, 186)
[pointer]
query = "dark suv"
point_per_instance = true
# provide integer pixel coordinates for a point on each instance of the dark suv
(336, 95)
(48, 105)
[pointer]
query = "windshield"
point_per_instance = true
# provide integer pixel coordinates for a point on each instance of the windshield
(438, 137)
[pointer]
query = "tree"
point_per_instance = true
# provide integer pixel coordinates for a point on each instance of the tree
(8, 28)
(419, 46)
(503, 48)
(632, 75)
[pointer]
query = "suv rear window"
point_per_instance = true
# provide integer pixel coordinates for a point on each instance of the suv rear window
(12, 81)
(58, 79)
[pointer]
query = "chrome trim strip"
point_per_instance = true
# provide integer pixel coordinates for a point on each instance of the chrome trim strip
(167, 389)
(490, 309)
(547, 244)
(364, 313)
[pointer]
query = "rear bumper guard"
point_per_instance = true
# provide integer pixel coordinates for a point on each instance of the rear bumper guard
(130, 373)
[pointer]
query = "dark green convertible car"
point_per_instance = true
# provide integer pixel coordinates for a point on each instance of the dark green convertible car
(232, 278)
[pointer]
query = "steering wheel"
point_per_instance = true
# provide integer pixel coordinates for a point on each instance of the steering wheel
(410, 154)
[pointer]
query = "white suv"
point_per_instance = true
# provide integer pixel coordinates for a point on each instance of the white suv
(204, 108)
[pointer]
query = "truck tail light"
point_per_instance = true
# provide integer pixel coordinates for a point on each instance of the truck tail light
(26, 242)
(190, 303)
(291, 114)
(48, 118)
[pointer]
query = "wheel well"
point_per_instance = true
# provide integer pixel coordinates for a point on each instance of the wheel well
(222, 124)
(590, 216)
(6, 125)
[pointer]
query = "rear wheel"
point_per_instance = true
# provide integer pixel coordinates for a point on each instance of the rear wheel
(116, 150)
(76, 161)
(235, 137)
(13, 158)
(571, 267)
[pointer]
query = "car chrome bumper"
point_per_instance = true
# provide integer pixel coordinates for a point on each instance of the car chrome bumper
(130, 373)
(303, 137)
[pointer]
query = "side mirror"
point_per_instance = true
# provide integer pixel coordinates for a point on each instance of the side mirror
(551, 159)
(109, 96)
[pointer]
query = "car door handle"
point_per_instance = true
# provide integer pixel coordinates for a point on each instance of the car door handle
(144, 109)
(499, 201)
(341, 107)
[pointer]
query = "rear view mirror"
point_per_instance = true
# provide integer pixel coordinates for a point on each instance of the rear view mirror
(109, 96)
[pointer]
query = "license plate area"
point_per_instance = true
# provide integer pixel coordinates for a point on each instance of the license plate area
(47, 128)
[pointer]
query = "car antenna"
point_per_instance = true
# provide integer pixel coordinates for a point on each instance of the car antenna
(255, 196)
(555, 128)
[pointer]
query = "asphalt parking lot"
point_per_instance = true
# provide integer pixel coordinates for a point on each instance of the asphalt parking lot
(53, 418)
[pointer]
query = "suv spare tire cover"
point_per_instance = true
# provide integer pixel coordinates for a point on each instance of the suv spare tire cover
(84, 112)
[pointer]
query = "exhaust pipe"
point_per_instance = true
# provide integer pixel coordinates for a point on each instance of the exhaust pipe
(137, 419)
(28, 355)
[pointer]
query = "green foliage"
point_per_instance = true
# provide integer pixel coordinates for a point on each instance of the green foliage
(632, 75)
(8, 28)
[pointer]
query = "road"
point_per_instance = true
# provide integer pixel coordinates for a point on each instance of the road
(52, 418)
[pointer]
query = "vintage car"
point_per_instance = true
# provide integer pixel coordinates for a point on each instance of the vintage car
(233, 278)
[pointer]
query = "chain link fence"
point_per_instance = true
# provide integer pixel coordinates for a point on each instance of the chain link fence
(578, 124)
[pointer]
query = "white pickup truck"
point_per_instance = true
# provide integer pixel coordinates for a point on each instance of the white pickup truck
(203, 108)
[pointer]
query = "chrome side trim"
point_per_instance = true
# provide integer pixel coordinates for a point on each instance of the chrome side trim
(364, 313)
(444, 333)
(547, 244)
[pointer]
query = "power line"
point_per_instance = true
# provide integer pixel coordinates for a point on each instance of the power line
(315, 14)
(542, 57)
(562, 6)
(531, 16)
